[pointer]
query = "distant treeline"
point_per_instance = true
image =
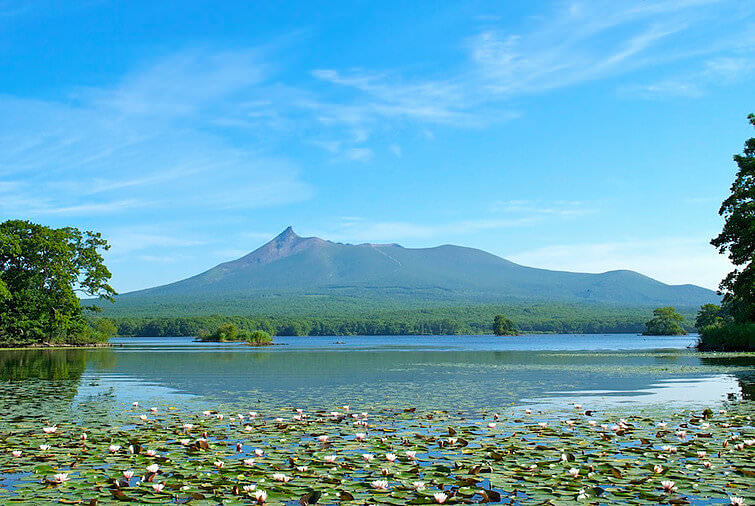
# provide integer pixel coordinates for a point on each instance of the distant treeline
(437, 321)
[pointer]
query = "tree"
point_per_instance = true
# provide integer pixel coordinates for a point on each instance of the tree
(709, 314)
(665, 322)
(502, 326)
(738, 237)
(41, 271)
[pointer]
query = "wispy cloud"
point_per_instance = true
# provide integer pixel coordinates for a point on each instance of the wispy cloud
(118, 148)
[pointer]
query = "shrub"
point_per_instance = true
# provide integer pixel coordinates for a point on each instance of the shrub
(734, 337)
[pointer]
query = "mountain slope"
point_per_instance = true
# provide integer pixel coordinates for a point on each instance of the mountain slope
(292, 265)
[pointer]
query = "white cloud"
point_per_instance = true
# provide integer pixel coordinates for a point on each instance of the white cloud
(677, 260)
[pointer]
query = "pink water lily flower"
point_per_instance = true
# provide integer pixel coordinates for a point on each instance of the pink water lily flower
(219, 464)
(158, 487)
(323, 439)
(128, 474)
(16, 453)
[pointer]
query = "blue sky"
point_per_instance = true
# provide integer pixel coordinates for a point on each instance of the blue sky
(571, 135)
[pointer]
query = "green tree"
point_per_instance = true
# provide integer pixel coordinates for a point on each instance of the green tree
(737, 239)
(709, 314)
(502, 326)
(42, 271)
(665, 322)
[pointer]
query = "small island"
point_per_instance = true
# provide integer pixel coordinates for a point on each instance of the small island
(230, 333)
(666, 321)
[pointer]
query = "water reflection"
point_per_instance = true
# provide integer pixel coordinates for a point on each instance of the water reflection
(443, 373)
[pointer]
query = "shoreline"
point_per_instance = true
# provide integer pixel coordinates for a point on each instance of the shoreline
(57, 346)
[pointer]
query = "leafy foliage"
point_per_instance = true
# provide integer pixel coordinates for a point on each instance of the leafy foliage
(502, 326)
(738, 236)
(41, 271)
(710, 314)
(665, 322)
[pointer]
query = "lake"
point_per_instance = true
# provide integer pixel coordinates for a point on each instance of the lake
(389, 420)
(440, 372)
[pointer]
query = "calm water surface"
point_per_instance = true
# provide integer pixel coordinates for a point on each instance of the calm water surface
(453, 373)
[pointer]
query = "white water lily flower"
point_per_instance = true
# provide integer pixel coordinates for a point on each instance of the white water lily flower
(411, 454)
(128, 474)
(418, 485)
(249, 462)
(260, 495)
(329, 458)
(60, 478)
(736, 501)
(360, 436)
(258, 452)
(16, 453)
(390, 457)
(668, 486)
(44, 448)
(49, 430)
(248, 488)
(281, 477)
(368, 456)
(153, 468)
(657, 469)
(380, 485)
(440, 497)
(219, 464)
(574, 472)
(113, 448)
(302, 469)
(158, 487)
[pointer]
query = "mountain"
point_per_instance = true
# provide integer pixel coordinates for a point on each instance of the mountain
(290, 265)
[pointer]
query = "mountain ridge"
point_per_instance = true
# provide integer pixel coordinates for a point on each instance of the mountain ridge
(291, 264)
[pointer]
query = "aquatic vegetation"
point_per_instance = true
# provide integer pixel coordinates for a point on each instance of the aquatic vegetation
(389, 456)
